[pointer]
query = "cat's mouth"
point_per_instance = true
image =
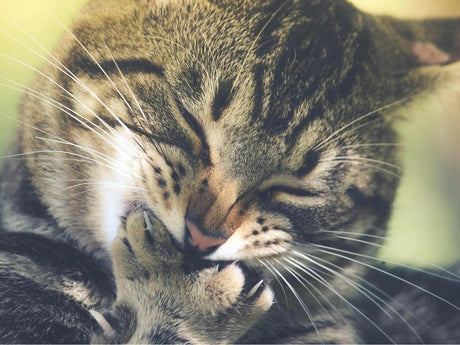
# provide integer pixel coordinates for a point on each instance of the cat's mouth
(195, 258)
(253, 273)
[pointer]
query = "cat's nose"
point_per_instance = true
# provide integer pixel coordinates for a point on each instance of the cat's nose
(200, 240)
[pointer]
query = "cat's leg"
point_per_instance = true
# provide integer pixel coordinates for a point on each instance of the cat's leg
(46, 290)
(158, 302)
(324, 332)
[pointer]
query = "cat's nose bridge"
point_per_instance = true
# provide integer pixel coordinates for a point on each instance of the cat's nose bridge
(224, 201)
(207, 213)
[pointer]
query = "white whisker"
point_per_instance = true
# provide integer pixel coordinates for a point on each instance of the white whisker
(328, 249)
(364, 164)
(326, 141)
(301, 302)
(351, 305)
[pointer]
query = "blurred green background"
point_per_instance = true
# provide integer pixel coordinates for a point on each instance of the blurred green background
(425, 226)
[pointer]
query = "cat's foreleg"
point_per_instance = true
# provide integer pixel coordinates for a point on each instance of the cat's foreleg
(159, 302)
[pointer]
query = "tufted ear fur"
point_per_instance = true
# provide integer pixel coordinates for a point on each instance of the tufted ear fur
(432, 50)
(428, 52)
(431, 42)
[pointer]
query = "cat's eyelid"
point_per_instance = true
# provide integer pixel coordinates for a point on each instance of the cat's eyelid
(299, 192)
(289, 185)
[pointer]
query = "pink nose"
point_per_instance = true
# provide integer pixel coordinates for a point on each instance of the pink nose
(200, 240)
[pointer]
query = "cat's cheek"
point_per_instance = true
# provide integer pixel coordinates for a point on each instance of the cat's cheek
(253, 241)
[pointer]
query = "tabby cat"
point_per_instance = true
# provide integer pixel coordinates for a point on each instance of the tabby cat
(220, 171)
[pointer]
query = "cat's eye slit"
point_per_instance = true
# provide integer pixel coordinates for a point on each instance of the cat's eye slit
(269, 192)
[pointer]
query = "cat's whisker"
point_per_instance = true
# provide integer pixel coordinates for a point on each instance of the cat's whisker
(312, 273)
(14, 119)
(379, 145)
(301, 302)
(103, 183)
(267, 265)
(337, 252)
(335, 232)
(83, 161)
(62, 141)
(358, 286)
(254, 42)
(363, 164)
(378, 290)
(365, 159)
(88, 159)
(385, 303)
(364, 291)
(304, 281)
(332, 289)
(125, 82)
(102, 156)
(456, 277)
(113, 136)
(63, 69)
(347, 132)
(142, 147)
(94, 188)
(351, 123)
(64, 109)
(315, 276)
(69, 73)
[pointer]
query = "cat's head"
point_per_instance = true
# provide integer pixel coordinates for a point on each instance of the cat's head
(250, 128)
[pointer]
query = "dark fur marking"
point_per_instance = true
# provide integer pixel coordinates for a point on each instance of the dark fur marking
(182, 170)
(176, 188)
(222, 99)
(149, 237)
(311, 160)
(128, 245)
(159, 335)
(260, 220)
(198, 130)
(258, 72)
(79, 63)
(175, 176)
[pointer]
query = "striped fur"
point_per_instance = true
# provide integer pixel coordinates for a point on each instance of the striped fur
(260, 120)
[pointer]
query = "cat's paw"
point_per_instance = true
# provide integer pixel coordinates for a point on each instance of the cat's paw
(220, 290)
(144, 248)
(156, 297)
(230, 300)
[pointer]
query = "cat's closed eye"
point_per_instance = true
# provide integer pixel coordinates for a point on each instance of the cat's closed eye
(277, 191)
(183, 162)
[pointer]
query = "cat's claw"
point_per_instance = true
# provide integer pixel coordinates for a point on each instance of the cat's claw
(254, 289)
(148, 222)
(102, 322)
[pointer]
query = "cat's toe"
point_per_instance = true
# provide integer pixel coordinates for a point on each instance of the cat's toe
(149, 239)
(218, 290)
(261, 297)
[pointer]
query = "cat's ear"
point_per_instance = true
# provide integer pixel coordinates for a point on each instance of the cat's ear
(428, 51)
(428, 42)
